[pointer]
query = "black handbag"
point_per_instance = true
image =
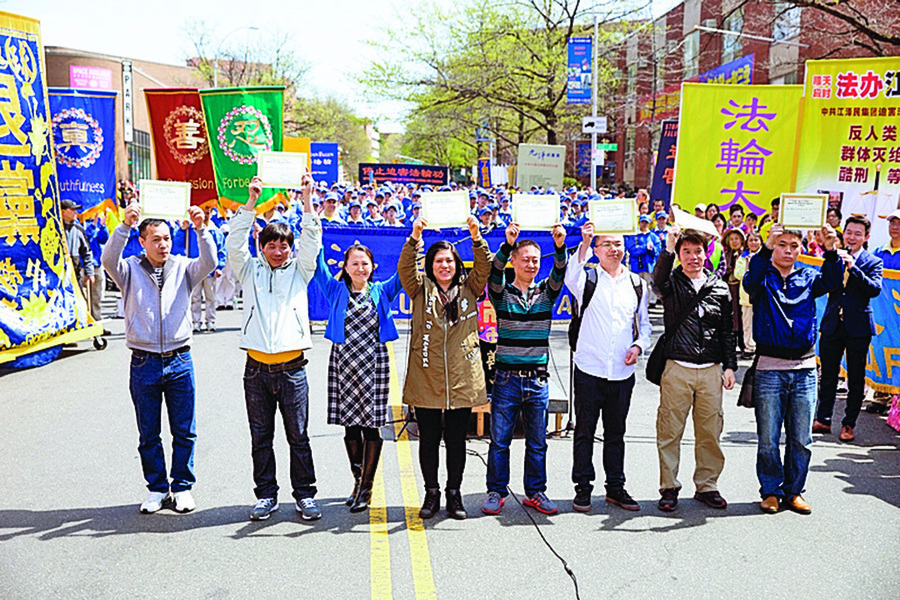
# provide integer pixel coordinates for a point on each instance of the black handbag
(656, 362)
(746, 397)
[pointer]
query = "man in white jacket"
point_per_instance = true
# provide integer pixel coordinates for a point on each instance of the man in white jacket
(275, 335)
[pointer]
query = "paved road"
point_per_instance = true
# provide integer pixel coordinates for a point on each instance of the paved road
(71, 485)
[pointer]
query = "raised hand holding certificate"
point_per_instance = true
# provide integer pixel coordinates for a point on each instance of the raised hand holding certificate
(281, 169)
(803, 211)
(445, 209)
(535, 211)
(166, 200)
(688, 221)
(613, 217)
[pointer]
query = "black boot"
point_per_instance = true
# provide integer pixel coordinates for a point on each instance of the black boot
(431, 504)
(355, 454)
(455, 505)
(371, 455)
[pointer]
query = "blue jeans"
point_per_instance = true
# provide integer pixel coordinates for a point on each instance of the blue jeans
(264, 394)
(154, 378)
(511, 395)
(787, 397)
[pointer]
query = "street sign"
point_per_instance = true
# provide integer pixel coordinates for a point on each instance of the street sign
(593, 124)
(608, 147)
(598, 157)
(482, 133)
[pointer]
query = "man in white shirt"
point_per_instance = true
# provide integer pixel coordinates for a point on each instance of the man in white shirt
(615, 329)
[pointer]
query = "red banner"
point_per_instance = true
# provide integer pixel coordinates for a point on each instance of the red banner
(180, 143)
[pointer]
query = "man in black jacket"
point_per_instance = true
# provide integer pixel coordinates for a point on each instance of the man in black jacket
(700, 361)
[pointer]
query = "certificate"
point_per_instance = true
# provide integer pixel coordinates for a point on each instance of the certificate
(445, 209)
(281, 169)
(613, 217)
(803, 211)
(688, 221)
(164, 199)
(535, 211)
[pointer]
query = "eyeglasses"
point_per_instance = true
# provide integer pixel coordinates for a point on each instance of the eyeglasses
(607, 245)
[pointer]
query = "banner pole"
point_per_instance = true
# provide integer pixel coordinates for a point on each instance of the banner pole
(594, 110)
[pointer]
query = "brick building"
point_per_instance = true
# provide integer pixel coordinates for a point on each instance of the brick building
(776, 40)
(67, 67)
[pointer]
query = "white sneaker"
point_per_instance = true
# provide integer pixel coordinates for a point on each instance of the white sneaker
(154, 502)
(184, 502)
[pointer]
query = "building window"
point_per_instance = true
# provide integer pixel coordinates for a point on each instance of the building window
(632, 78)
(139, 156)
(691, 54)
(787, 21)
(732, 46)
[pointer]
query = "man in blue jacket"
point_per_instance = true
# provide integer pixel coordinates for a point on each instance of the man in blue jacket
(784, 391)
(848, 325)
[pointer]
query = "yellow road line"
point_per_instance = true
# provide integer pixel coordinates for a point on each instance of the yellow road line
(423, 577)
(379, 544)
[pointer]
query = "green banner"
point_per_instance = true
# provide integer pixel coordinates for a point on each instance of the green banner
(241, 122)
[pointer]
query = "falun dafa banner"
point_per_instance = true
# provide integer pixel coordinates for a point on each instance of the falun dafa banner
(735, 145)
(849, 147)
(41, 306)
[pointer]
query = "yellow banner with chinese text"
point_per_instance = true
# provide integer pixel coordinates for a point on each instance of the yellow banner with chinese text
(736, 145)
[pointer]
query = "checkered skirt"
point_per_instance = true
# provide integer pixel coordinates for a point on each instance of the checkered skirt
(359, 372)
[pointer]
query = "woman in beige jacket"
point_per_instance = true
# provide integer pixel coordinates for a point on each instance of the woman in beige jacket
(444, 376)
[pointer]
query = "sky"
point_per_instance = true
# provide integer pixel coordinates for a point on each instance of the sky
(330, 36)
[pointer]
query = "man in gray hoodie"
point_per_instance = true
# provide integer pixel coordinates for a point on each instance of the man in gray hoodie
(156, 292)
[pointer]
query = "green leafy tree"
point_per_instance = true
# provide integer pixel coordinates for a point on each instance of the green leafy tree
(503, 63)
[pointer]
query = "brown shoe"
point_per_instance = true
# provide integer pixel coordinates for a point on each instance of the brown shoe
(846, 434)
(821, 427)
(769, 505)
(799, 505)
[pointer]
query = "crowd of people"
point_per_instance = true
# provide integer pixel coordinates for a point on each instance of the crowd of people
(739, 294)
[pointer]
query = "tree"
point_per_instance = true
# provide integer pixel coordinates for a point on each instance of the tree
(499, 62)
(327, 119)
(248, 60)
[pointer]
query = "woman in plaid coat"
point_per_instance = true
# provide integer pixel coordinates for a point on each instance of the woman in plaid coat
(360, 323)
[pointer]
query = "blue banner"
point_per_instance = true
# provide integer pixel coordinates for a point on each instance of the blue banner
(84, 138)
(883, 364)
(484, 173)
(664, 172)
(324, 161)
(583, 159)
(386, 244)
(737, 72)
(578, 73)
(40, 306)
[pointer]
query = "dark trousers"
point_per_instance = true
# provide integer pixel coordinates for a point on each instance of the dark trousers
(265, 393)
(594, 395)
(455, 425)
(831, 349)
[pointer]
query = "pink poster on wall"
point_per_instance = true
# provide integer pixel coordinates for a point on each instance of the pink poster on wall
(90, 78)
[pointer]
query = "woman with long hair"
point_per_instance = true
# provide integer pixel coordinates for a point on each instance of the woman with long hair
(360, 323)
(444, 375)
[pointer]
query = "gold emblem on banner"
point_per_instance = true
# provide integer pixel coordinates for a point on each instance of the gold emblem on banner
(185, 134)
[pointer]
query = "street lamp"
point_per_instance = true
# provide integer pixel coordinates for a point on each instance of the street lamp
(219, 47)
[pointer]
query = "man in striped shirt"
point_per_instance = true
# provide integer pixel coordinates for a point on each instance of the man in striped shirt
(524, 311)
